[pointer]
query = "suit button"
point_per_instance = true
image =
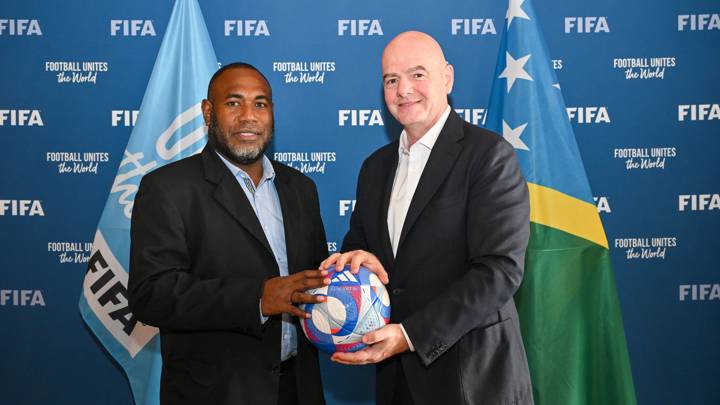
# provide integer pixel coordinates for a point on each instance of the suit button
(397, 291)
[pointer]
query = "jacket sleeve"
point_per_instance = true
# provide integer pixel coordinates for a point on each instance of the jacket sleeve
(163, 291)
(497, 235)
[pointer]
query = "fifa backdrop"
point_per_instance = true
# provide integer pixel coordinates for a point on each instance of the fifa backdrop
(640, 80)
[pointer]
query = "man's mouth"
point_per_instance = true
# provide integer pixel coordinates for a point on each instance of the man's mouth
(246, 133)
(407, 103)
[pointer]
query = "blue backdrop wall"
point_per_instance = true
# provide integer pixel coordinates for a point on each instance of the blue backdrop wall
(640, 80)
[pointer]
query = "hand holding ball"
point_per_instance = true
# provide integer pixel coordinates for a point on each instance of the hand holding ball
(356, 304)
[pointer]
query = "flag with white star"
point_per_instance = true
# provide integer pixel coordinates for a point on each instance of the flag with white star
(568, 305)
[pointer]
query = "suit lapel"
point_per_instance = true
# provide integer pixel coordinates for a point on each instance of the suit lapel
(290, 211)
(230, 196)
(389, 169)
(442, 158)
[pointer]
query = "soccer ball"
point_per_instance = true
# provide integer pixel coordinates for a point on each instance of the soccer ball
(356, 304)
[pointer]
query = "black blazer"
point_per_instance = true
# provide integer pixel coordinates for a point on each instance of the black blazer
(459, 261)
(198, 262)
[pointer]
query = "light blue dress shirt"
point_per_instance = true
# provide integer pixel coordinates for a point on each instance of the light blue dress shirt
(266, 204)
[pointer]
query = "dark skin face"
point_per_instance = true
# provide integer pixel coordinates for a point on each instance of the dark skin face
(239, 116)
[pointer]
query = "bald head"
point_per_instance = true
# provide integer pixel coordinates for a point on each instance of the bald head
(414, 42)
(416, 81)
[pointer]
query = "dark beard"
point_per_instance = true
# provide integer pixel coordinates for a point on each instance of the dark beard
(243, 158)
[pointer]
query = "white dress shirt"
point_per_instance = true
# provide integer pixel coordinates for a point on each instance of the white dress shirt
(411, 163)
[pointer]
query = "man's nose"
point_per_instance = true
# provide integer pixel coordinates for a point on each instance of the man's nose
(247, 113)
(404, 87)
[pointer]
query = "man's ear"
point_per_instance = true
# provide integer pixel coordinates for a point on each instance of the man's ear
(449, 75)
(206, 111)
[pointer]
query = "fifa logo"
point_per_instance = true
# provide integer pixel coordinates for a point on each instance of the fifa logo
(699, 292)
(698, 22)
(359, 27)
(698, 112)
(20, 118)
(586, 25)
(21, 208)
(247, 28)
(699, 202)
(132, 28)
(603, 204)
(472, 26)
(125, 118)
(360, 118)
(21, 298)
(475, 116)
(588, 115)
(20, 27)
(345, 206)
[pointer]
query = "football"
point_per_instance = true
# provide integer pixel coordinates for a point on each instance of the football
(356, 304)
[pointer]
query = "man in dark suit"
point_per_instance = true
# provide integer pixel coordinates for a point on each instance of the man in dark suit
(219, 246)
(445, 211)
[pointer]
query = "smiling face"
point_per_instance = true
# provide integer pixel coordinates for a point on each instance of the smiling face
(416, 81)
(239, 115)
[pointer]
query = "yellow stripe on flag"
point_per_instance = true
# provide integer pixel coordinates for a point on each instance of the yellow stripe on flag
(558, 210)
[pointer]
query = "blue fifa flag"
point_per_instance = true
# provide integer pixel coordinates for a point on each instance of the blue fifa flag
(169, 127)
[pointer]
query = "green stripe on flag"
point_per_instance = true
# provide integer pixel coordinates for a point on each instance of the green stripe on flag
(571, 322)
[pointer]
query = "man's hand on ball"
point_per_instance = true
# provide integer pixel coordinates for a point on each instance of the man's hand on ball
(356, 258)
(382, 343)
(280, 294)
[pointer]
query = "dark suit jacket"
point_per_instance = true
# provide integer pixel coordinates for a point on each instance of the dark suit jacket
(459, 261)
(199, 259)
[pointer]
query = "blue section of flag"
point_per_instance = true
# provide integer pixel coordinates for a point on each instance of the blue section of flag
(169, 127)
(527, 107)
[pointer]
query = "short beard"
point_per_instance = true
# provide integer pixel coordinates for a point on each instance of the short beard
(240, 156)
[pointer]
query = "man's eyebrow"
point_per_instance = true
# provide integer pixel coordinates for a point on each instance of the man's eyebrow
(386, 75)
(241, 96)
(412, 69)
